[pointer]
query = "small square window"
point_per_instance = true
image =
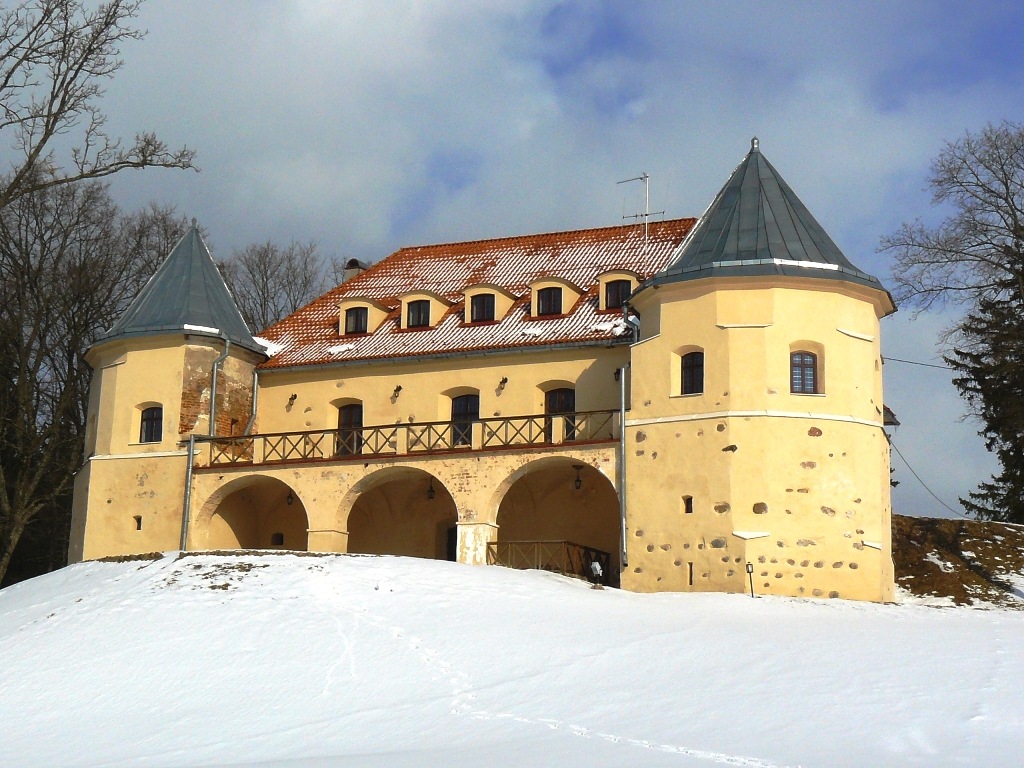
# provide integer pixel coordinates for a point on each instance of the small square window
(549, 301)
(481, 308)
(355, 320)
(418, 314)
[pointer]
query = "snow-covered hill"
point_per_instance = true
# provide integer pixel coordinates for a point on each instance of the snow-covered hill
(339, 661)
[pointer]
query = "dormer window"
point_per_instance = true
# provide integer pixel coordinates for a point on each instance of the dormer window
(616, 292)
(481, 308)
(355, 320)
(418, 314)
(549, 301)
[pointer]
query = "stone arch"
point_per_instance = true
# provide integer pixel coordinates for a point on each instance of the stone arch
(400, 511)
(252, 512)
(540, 502)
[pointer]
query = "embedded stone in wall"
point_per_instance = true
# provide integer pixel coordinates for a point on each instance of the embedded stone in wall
(814, 432)
(828, 511)
(641, 436)
(760, 508)
(717, 543)
(806, 543)
(808, 464)
(722, 507)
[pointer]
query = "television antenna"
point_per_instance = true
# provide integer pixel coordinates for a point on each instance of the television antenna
(646, 215)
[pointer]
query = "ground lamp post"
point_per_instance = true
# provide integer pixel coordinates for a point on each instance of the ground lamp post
(750, 575)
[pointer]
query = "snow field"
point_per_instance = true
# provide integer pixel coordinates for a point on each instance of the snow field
(339, 661)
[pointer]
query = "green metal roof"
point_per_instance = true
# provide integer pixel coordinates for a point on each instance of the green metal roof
(186, 295)
(758, 226)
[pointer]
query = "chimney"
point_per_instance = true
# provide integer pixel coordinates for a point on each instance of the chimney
(353, 267)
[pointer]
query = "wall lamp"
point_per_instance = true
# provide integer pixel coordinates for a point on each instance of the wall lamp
(397, 392)
(618, 374)
(290, 499)
(502, 383)
(579, 483)
(430, 491)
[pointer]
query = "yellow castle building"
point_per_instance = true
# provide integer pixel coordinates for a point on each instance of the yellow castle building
(690, 406)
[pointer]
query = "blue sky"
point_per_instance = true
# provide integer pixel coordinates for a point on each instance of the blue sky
(367, 126)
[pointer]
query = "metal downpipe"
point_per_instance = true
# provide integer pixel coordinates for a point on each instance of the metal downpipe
(622, 465)
(255, 399)
(186, 508)
(213, 386)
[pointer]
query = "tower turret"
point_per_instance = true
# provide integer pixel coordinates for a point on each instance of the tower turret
(178, 361)
(757, 405)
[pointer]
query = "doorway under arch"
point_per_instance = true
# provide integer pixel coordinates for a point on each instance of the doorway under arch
(259, 513)
(562, 499)
(404, 511)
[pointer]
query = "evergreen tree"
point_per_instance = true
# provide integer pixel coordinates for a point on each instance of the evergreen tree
(990, 361)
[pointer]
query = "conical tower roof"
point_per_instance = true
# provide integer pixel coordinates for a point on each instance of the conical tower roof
(758, 226)
(186, 295)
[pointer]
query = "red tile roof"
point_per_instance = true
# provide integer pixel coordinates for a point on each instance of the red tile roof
(311, 335)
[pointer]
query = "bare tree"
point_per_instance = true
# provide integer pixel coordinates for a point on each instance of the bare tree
(270, 282)
(69, 265)
(54, 58)
(978, 247)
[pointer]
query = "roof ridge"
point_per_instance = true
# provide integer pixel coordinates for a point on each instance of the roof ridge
(507, 238)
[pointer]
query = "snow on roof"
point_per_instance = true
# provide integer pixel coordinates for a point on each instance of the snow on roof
(311, 336)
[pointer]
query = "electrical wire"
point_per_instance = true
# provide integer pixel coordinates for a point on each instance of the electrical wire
(924, 485)
(914, 362)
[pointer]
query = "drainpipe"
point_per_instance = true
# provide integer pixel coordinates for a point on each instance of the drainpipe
(255, 397)
(622, 464)
(213, 386)
(187, 505)
(635, 330)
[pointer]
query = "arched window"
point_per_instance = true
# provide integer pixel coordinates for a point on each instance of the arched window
(693, 373)
(803, 373)
(152, 427)
(350, 429)
(549, 301)
(465, 410)
(616, 292)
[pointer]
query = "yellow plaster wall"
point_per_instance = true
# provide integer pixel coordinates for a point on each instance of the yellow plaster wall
(589, 369)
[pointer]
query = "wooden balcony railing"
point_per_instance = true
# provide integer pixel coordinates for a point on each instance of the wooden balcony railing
(565, 557)
(535, 431)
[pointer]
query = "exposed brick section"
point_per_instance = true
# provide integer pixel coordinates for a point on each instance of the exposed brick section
(234, 391)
